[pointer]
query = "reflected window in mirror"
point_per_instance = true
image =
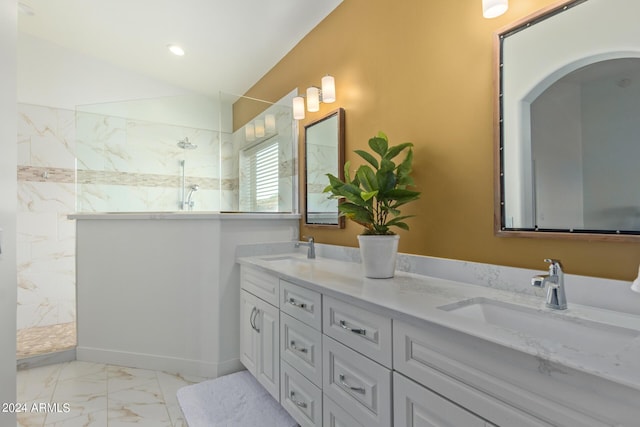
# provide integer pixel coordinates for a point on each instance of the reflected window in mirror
(568, 108)
(324, 153)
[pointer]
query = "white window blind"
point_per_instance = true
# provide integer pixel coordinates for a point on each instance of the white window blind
(259, 178)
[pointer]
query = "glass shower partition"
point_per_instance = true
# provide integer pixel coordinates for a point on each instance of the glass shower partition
(186, 153)
(258, 155)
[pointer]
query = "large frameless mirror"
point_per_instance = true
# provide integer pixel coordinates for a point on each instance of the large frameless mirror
(569, 135)
(324, 153)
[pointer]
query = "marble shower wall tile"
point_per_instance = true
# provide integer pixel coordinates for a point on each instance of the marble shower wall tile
(129, 165)
(46, 136)
(45, 237)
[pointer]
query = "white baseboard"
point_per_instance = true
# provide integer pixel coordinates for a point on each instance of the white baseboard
(173, 365)
(46, 359)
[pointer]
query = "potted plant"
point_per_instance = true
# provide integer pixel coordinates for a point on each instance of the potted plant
(373, 198)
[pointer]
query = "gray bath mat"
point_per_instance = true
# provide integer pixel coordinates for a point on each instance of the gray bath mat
(235, 400)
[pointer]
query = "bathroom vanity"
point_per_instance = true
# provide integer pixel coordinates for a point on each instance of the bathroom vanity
(336, 348)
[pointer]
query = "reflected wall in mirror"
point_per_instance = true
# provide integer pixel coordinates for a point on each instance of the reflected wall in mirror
(324, 153)
(569, 130)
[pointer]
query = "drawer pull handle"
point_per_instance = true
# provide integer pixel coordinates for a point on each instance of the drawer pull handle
(292, 345)
(297, 402)
(347, 385)
(295, 303)
(252, 319)
(343, 325)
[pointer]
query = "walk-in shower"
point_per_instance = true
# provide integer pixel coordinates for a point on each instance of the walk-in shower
(186, 203)
(145, 155)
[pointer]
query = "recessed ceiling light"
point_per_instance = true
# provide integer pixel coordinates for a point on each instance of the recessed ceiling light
(175, 49)
(25, 9)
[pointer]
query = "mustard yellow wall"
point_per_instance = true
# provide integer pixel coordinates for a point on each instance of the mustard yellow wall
(421, 71)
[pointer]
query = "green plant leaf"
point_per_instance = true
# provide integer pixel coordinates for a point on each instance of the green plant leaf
(379, 145)
(347, 175)
(353, 194)
(367, 195)
(356, 213)
(399, 219)
(367, 178)
(368, 157)
(397, 149)
(386, 182)
(405, 169)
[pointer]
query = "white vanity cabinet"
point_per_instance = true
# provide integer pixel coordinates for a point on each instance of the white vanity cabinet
(260, 330)
(344, 352)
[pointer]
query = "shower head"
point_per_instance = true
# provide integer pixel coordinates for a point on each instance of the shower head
(195, 187)
(186, 145)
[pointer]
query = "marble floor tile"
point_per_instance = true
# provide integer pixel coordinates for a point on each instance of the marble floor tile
(96, 395)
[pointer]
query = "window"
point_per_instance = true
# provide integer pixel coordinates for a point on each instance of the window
(259, 175)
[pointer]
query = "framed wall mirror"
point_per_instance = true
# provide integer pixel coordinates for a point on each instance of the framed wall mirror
(568, 122)
(324, 153)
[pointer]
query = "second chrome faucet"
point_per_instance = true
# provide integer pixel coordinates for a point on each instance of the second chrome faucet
(556, 297)
(310, 243)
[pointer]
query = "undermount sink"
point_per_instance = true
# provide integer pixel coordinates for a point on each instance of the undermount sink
(578, 334)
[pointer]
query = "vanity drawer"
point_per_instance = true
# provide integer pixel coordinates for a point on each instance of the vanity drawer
(301, 347)
(301, 398)
(369, 333)
(356, 383)
(415, 405)
(417, 355)
(260, 283)
(301, 303)
(334, 416)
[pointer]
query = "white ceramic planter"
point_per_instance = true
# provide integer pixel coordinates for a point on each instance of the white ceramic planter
(379, 255)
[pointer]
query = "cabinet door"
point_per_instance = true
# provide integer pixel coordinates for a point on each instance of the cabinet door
(417, 406)
(248, 334)
(268, 359)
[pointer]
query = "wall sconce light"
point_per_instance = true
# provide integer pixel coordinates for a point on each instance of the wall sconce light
(494, 8)
(260, 128)
(315, 96)
(270, 123)
(250, 132)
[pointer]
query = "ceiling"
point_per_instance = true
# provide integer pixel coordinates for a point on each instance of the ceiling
(229, 44)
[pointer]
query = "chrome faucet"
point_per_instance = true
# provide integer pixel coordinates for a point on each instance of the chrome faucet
(556, 297)
(311, 252)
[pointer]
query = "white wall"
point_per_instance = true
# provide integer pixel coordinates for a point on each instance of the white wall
(164, 293)
(8, 202)
(54, 76)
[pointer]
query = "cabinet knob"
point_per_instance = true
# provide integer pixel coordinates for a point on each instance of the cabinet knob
(298, 403)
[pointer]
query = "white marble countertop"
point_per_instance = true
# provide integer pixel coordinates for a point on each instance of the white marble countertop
(410, 296)
(182, 215)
